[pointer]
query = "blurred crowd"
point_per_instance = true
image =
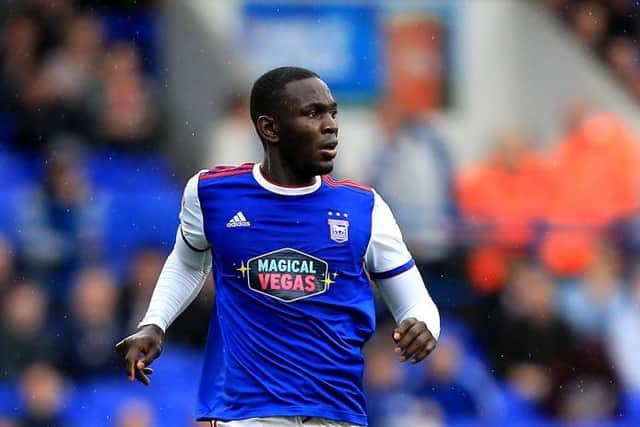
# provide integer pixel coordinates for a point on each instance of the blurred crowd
(530, 253)
(610, 28)
(89, 211)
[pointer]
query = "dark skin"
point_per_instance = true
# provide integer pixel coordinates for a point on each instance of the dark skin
(300, 138)
(300, 141)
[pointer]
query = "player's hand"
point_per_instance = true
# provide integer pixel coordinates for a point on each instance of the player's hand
(139, 350)
(413, 340)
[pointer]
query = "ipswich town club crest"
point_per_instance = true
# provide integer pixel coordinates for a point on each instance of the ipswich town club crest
(338, 230)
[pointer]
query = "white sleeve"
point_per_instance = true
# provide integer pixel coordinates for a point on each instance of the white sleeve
(387, 255)
(389, 262)
(406, 296)
(186, 268)
(191, 221)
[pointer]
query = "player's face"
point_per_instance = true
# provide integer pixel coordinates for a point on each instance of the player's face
(308, 129)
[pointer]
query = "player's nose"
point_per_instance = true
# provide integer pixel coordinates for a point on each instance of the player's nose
(330, 124)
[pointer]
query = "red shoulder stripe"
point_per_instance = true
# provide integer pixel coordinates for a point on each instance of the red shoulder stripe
(345, 182)
(220, 171)
(221, 168)
(204, 177)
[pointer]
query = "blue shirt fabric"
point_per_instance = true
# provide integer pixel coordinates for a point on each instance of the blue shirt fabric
(293, 300)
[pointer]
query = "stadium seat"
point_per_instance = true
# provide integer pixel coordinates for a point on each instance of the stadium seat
(138, 27)
(172, 395)
(138, 220)
(8, 400)
(129, 173)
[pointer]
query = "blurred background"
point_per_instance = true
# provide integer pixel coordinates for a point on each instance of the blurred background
(503, 133)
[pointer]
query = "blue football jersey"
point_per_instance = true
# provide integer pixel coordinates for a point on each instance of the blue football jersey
(293, 301)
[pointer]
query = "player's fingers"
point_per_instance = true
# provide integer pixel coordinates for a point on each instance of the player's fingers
(403, 327)
(424, 352)
(410, 335)
(142, 377)
(418, 344)
(130, 360)
(151, 355)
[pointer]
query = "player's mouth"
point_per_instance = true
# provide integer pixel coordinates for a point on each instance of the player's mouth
(329, 150)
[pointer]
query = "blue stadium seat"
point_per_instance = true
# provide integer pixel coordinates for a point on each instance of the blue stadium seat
(129, 172)
(16, 170)
(8, 399)
(11, 198)
(140, 28)
(171, 396)
(138, 220)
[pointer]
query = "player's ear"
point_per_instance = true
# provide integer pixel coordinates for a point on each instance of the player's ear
(268, 129)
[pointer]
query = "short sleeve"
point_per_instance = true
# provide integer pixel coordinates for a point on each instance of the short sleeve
(191, 220)
(387, 254)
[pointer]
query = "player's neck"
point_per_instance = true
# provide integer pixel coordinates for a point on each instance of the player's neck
(276, 172)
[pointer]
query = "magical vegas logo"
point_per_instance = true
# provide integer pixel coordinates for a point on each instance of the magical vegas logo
(288, 275)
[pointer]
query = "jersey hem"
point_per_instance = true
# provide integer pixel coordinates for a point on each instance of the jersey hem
(395, 271)
(293, 411)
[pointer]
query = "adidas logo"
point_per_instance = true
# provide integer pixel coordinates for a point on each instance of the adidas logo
(238, 220)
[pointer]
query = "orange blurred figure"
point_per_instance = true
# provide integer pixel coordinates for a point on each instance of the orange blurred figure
(501, 200)
(595, 183)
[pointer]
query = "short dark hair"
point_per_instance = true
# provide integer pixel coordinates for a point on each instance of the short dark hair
(267, 93)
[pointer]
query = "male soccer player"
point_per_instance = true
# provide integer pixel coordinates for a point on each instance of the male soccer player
(292, 252)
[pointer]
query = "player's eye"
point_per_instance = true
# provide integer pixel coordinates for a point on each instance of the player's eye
(334, 113)
(312, 114)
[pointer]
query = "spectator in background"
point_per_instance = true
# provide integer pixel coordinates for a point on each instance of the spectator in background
(623, 55)
(586, 389)
(623, 339)
(8, 422)
(457, 381)
(125, 108)
(42, 394)
(24, 336)
(94, 325)
(413, 173)
(19, 44)
(501, 200)
(143, 274)
(526, 336)
(53, 18)
(589, 304)
(590, 20)
(232, 139)
(388, 402)
(69, 73)
(594, 185)
(135, 413)
(7, 264)
(61, 223)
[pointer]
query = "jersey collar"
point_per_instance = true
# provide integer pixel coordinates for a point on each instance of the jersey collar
(279, 189)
